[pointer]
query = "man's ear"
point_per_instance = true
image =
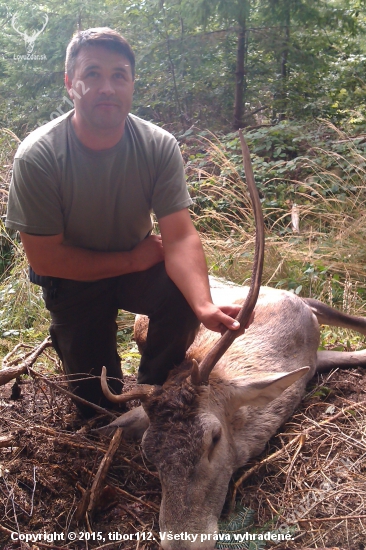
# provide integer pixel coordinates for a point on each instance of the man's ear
(259, 389)
(68, 84)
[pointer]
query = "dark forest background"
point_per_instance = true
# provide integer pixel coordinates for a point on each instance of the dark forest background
(214, 64)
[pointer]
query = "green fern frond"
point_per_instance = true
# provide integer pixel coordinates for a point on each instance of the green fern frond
(237, 531)
(238, 524)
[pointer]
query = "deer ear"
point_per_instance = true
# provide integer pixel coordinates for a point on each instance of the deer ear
(134, 424)
(261, 388)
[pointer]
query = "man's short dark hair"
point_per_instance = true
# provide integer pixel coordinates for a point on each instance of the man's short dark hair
(100, 36)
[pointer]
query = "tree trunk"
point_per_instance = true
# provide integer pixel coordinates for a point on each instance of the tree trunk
(172, 69)
(79, 23)
(284, 58)
(240, 83)
(284, 67)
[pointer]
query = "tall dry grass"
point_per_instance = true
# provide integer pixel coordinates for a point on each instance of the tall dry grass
(22, 314)
(326, 258)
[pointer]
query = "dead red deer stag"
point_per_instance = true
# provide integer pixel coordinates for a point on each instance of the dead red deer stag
(218, 410)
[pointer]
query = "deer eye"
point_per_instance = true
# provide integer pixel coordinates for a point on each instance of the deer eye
(216, 435)
(215, 438)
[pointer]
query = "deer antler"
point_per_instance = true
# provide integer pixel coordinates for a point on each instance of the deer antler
(13, 19)
(37, 33)
(201, 376)
(142, 391)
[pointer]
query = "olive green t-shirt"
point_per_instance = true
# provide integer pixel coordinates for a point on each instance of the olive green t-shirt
(99, 200)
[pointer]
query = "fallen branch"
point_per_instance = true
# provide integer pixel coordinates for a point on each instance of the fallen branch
(6, 440)
(137, 499)
(300, 446)
(6, 360)
(67, 439)
(99, 479)
(334, 518)
(9, 373)
(137, 467)
(132, 514)
(5, 530)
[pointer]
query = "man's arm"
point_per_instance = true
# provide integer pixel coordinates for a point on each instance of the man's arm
(186, 266)
(50, 256)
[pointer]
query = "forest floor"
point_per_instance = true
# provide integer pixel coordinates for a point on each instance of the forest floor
(310, 482)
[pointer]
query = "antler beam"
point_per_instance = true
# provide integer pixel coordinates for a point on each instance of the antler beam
(245, 313)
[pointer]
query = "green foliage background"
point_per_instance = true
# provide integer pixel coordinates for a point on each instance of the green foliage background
(303, 58)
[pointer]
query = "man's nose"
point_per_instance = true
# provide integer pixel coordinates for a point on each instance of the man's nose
(106, 87)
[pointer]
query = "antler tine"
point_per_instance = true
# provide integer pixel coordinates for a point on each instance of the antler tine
(245, 313)
(13, 19)
(44, 25)
(142, 391)
(35, 34)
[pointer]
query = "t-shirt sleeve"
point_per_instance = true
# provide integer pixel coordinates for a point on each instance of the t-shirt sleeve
(170, 190)
(34, 204)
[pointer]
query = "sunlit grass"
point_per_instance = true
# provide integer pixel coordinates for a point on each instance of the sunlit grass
(325, 260)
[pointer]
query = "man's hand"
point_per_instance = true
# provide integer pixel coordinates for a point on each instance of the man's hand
(147, 253)
(221, 318)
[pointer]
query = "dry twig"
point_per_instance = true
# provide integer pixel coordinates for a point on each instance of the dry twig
(9, 373)
(6, 440)
(70, 394)
(136, 499)
(90, 498)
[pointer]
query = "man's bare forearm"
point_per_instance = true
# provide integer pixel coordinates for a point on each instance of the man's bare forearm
(68, 262)
(186, 265)
(50, 256)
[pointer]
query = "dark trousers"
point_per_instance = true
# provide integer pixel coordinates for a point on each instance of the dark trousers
(84, 330)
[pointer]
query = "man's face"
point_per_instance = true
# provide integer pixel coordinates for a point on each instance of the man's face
(101, 87)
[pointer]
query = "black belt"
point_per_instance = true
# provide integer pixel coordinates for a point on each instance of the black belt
(50, 283)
